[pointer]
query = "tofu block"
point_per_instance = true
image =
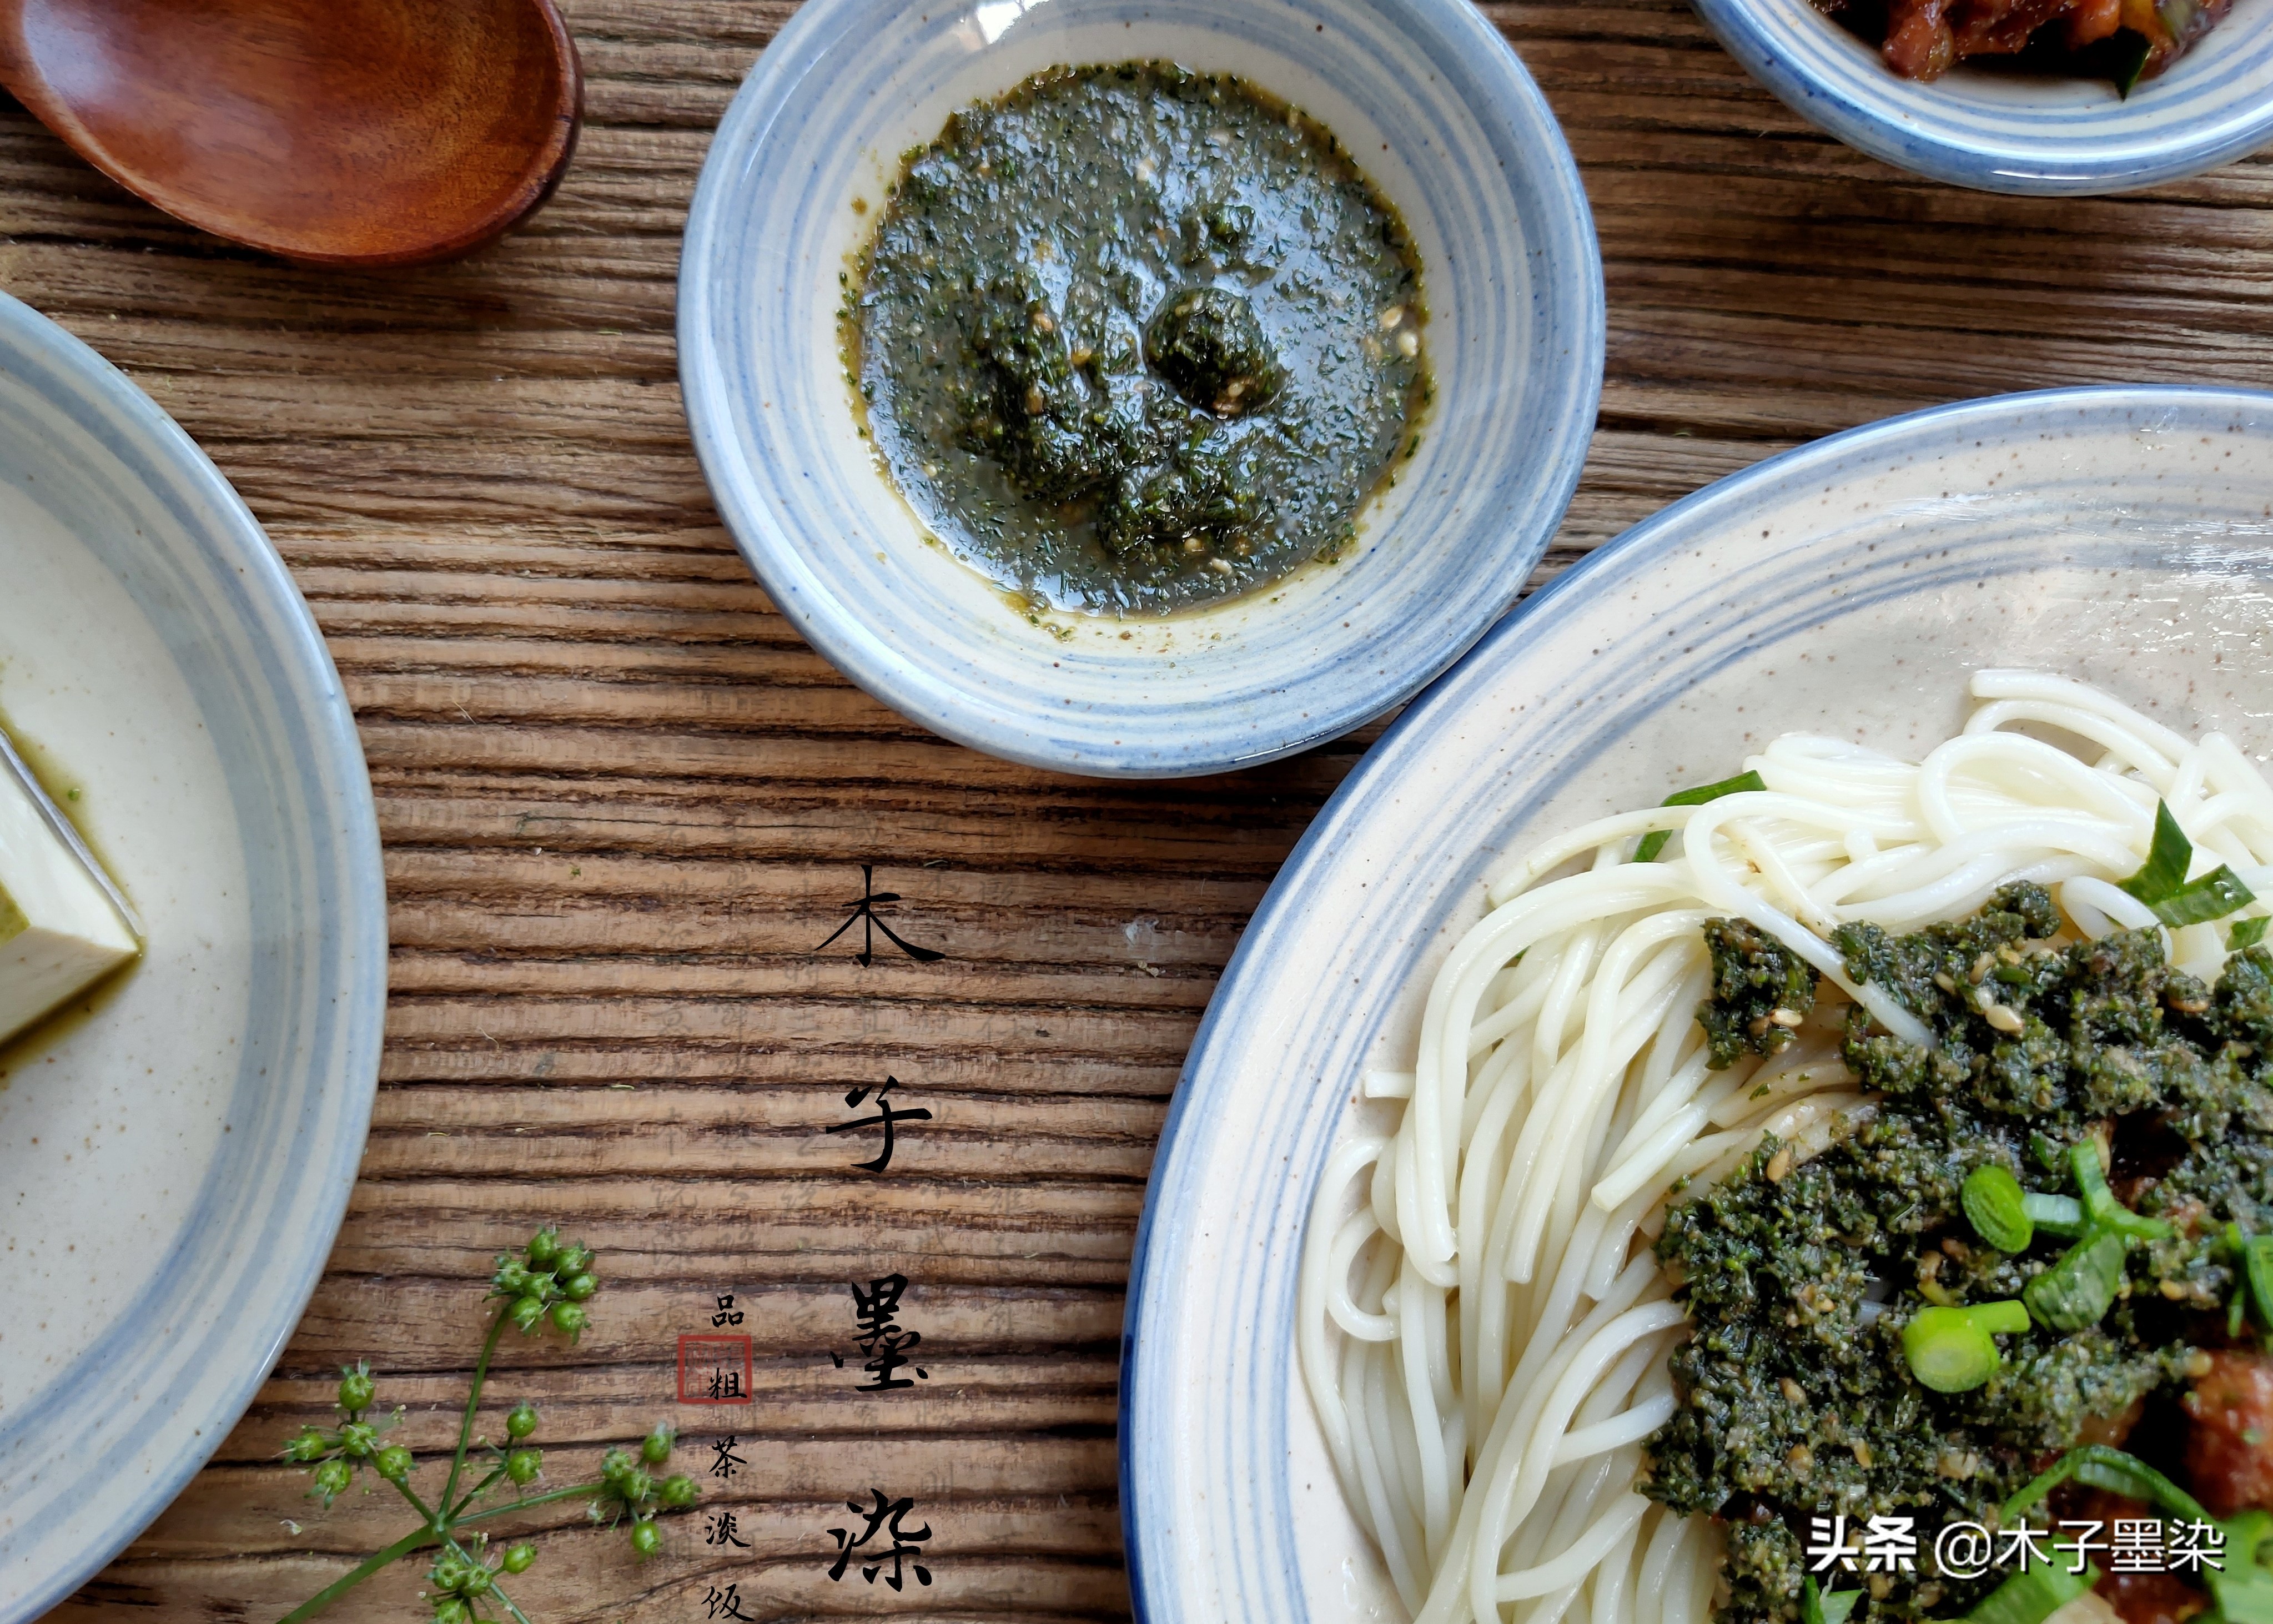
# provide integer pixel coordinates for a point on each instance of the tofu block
(59, 931)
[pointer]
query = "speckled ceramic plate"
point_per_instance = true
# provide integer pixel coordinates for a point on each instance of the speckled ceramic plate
(2122, 536)
(2000, 130)
(175, 1162)
(1441, 115)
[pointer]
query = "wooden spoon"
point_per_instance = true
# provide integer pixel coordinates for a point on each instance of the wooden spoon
(348, 133)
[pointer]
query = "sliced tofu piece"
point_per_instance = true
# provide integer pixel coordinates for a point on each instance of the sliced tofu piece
(59, 930)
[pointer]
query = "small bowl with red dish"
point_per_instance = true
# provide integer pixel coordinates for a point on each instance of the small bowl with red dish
(2055, 98)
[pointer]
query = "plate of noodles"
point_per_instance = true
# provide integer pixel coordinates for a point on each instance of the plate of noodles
(1769, 1058)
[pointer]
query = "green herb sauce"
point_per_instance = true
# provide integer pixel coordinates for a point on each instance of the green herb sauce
(1796, 1402)
(1133, 339)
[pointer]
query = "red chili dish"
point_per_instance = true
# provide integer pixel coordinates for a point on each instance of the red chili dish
(2125, 41)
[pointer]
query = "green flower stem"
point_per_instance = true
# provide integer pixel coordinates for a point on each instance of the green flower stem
(498, 1590)
(582, 1491)
(473, 1402)
(439, 1527)
(476, 1492)
(370, 1564)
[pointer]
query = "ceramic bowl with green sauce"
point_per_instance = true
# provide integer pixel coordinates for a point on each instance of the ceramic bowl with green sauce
(1140, 389)
(1131, 340)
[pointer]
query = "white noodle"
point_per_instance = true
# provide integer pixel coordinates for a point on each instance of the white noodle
(1484, 1333)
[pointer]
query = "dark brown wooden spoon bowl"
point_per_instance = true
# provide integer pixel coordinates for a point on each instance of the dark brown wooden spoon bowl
(348, 133)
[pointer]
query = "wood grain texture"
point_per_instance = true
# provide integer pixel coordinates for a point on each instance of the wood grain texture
(622, 801)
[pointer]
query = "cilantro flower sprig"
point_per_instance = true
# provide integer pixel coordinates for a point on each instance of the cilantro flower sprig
(542, 1287)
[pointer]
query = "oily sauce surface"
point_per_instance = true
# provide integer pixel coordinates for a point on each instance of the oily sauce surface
(1133, 339)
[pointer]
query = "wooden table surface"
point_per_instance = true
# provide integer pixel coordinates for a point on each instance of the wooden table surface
(623, 802)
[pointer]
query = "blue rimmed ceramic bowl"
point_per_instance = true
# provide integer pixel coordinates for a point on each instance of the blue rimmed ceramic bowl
(175, 1159)
(2003, 131)
(1441, 116)
(1849, 587)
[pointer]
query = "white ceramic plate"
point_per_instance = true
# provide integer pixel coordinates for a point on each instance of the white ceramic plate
(1444, 118)
(174, 1165)
(2122, 536)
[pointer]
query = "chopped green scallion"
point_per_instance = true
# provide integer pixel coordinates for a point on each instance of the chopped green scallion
(2078, 1289)
(2033, 1595)
(2167, 859)
(1815, 1607)
(2214, 896)
(1655, 841)
(2101, 1466)
(2246, 933)
(1997, 1208)
(2055, 1215)
(2237, 1304)
(2162, 883)
(2132, 50)
(1951, 1349)
(2101, 1209)
(2257, 1254)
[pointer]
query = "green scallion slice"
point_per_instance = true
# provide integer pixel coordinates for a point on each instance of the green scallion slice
(2242, 1589)
(2167, 860)
(2131, 50)
(2102, 1466)
(1815, 1607)
(1951, 1349)
(2078, 1289)
(1654, 842)
(2214, 896)
(2054, 1214)
(2033, 1595)
(2257, 1261)
(2101, 1209)
(1996, 1207)
(2162, 883)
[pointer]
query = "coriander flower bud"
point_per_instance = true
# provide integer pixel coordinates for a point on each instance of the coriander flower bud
(522, 1466)
(571, 1260)
(678, 1493)
(528, 1314)
(569, 1318)
(393, 1464)
(359, 1440)
(450, 1610)
(646, 1539)
(512, 1275)
(333, 1477)
(578, 1288)
(615, 1466)
(521, 1421)
(518, 1558)
(655, 1448)
(355, 1389)
(310, 1447)
(543, 1246)
(445, 1572)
